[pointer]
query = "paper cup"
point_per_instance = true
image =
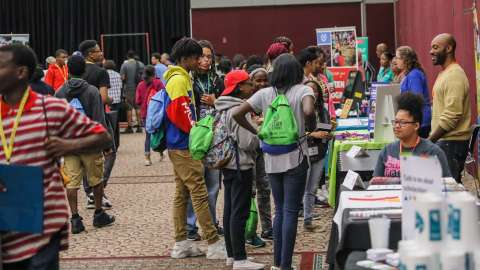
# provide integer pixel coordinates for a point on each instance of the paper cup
(453, 260)
(417, 260)
(379, 232)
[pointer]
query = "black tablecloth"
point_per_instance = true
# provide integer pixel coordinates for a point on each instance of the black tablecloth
(355, 237)
(353, 258)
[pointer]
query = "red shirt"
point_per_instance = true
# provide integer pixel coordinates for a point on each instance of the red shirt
(142, 93)
(56, 76)
(64, 122)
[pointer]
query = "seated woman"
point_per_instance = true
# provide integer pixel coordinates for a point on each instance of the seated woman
(406, 126)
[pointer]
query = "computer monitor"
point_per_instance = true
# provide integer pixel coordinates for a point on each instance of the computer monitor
(385, 112)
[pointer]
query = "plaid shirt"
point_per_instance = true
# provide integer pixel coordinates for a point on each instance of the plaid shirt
(115, 91)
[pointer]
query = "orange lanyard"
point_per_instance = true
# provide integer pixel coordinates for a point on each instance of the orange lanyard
(63, 71)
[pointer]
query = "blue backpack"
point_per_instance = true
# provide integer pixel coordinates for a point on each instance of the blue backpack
(77, 105)
(156, 120)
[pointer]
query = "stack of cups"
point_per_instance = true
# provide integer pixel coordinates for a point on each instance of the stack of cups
(453, 260)
(462, 226)
(429, 232)
(379, 232)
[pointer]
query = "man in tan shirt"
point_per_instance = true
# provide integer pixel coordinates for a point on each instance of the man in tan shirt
(451, 114)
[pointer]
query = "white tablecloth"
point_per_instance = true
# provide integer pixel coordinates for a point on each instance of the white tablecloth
(366, 199)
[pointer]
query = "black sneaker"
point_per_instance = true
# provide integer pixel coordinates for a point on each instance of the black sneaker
(90, 201)
(106, 204)
(102, 219)
(267, 235)
(308, 225)
(194, 237)
(255, 242)
(220, 231)
(77, 225)
(128, 130)
(139, 130)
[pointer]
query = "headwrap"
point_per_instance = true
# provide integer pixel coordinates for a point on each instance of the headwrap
(276, 49)
(255, 71)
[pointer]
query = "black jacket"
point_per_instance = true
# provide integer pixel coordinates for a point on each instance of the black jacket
(88, 95)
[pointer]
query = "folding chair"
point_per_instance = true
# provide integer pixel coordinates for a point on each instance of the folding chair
(471, 161)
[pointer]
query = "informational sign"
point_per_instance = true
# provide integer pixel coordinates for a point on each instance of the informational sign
(6, 39)
(340, 47)
(418, 175)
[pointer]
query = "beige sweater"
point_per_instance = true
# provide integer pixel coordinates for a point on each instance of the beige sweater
(451, 104)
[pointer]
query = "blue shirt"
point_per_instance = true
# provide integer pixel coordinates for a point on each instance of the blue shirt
(159, 71)
(416, 82)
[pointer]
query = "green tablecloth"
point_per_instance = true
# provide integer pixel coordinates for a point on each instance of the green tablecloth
(333, 157)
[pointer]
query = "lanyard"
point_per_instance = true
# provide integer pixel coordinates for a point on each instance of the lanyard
(63, 71)
(8, 148)
(203, 87)
(415, 146)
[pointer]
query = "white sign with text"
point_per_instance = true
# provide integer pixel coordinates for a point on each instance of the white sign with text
(418, 175)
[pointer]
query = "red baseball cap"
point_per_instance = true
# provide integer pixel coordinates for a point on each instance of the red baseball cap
(232, 79)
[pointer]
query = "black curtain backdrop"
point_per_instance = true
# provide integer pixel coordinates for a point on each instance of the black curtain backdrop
(55, 24)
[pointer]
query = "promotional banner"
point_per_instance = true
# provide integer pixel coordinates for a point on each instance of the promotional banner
(340, 47)
(362, 47)
(6, 39)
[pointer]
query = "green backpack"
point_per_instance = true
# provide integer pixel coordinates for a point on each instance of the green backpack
(201, 136)
(158, 141)
(279, 126)
(252, 221)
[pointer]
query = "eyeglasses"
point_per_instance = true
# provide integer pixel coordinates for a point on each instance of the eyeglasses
(98, 51)
(208, 57)
(401, 123)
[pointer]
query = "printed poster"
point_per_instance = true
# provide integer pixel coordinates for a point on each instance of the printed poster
(340, 47)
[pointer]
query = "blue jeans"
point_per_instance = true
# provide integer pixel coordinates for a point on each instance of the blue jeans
(212, 180)
(46, 259)
(315, 173)
(287, 189)
(147, 143)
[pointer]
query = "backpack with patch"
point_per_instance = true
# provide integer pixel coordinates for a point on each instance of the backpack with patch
(279, 131)
(223, 147)
(77, 105)
(200, 138)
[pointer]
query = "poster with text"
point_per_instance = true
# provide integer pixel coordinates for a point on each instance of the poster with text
(340, 47)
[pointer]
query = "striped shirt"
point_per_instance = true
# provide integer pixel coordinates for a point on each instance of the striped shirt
(115, 90)
(64, 122)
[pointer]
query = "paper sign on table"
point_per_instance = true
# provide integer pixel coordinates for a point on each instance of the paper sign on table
(351, 179)
(354, 151)
(418, 175)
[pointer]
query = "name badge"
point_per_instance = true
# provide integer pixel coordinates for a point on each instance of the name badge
(313, 151)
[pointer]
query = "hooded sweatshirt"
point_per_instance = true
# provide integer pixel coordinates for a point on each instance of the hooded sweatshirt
(181, 109)
(246, 141)
(88, 95)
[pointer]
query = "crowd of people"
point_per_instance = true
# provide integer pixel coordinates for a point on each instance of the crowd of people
(76, 143)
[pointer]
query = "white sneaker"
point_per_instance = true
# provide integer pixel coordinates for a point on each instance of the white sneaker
(217, 251)
(247, 265)
(148, 161)
(185, 249)
(230, 260)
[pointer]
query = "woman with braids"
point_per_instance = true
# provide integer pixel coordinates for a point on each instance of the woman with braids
(416, 82)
